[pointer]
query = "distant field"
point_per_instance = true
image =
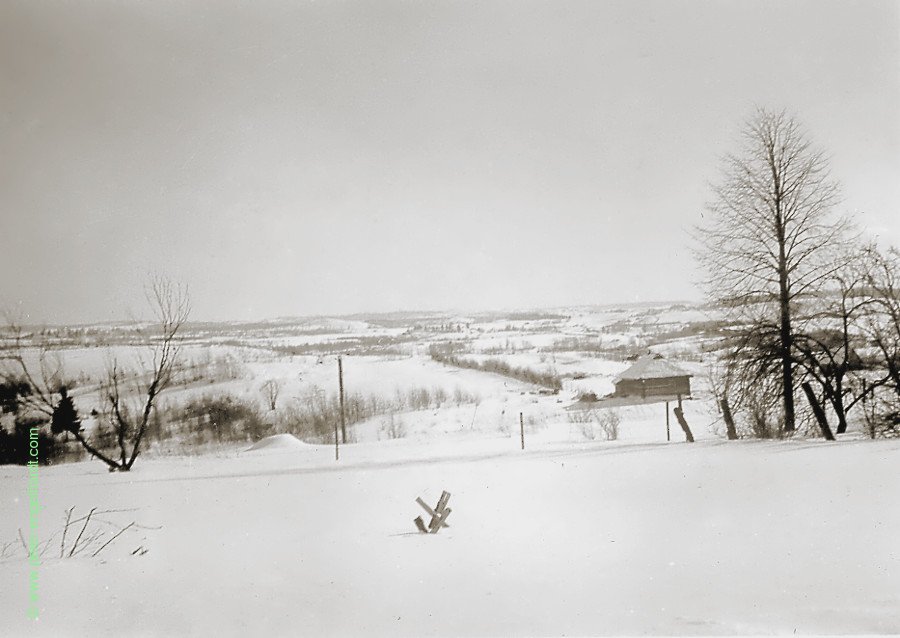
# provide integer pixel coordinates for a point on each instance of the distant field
(606, 523)
(389, 371)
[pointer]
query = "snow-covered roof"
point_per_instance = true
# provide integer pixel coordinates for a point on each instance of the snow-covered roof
(649, 367)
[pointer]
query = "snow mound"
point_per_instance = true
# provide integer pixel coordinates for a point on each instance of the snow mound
(278, 442)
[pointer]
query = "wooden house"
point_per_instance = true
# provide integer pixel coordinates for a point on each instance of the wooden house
(653, 376)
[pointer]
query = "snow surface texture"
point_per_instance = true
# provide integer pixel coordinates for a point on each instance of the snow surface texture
(591, 538)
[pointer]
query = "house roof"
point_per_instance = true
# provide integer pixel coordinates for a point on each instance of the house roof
(649, 367)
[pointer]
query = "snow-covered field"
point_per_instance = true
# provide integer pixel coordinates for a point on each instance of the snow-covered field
(576, 535)
(562, 539)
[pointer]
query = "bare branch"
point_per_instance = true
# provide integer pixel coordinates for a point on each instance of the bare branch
(112, 539)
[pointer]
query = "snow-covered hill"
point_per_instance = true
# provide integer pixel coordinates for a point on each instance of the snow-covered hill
(562, 539)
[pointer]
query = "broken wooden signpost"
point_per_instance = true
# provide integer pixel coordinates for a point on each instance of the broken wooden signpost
(438, 515)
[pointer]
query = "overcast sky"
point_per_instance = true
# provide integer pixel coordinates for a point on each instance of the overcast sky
(333, 157)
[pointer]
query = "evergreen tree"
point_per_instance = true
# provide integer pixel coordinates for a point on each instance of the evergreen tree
(65, 416)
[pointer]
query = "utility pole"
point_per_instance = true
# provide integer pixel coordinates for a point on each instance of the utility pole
(337, 452)
(341, 390)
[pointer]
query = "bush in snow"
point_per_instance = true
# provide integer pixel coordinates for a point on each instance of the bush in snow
(584, 419)
(223, 418)
(606, 420)
(609, 422)
(392, 428)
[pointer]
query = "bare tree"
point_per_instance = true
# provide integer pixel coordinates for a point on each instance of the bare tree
(270, 390)
(30, 358)
(881, 274)
(768, 239)
(882, 279)
(29, 362)
(171, 306)
(719, 381)
(750, 382)
(827, 346)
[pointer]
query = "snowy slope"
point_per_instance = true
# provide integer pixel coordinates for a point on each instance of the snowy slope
(562, 539)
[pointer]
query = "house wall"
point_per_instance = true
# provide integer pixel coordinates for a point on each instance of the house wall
(671, 386)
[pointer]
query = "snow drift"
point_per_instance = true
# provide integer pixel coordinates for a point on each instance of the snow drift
(279, 443)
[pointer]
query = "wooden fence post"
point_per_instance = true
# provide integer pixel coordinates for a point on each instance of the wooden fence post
(341, 392)
(522, 429)
(668, 435)
(337, 452)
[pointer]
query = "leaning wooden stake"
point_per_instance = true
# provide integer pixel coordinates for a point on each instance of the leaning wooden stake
(817, 411)
(679, 414)
(439, 510)
(441, 522)
(438, 515)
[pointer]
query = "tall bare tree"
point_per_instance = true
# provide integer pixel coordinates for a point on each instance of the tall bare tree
(767, 240)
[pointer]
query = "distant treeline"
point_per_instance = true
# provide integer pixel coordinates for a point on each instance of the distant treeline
(532, 316)
(705, 329)
(446, 355)
(363, 345)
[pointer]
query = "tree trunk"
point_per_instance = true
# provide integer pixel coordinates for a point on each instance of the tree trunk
(835, 396)
(784, 306)
(729, 419)
(679, 414)
(113, 466)
(871, 421)
(841, 416)
(787, 374)
(817, 411)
